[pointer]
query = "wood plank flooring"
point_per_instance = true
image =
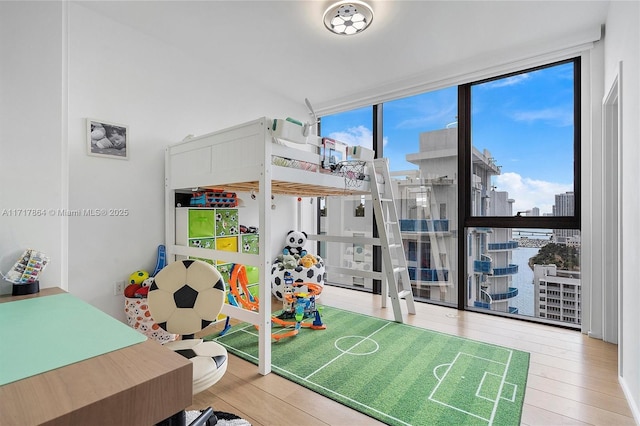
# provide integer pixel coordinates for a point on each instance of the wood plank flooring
(572, 378)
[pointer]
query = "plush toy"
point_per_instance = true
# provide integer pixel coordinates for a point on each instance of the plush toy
(295, 242)
(289, 261)
(308, 260)
(285, 261)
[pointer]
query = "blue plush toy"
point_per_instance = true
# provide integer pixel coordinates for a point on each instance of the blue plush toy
(295, 243)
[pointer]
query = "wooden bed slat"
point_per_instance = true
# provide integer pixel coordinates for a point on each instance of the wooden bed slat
(291, 188)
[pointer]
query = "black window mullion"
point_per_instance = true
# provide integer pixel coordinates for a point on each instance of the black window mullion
(378, 153)
(577, 135)
(464, 188)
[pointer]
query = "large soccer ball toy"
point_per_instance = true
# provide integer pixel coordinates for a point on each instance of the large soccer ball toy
(182, 296)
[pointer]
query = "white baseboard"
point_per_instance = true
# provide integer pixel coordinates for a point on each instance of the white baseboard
(633, 404)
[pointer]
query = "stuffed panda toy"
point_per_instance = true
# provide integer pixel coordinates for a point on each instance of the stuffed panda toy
(295, 242)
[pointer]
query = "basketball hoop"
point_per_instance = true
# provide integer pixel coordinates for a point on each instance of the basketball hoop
(353, 172)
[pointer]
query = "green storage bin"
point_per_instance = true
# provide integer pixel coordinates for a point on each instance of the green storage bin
(250, 243)
(226, 222)
(208, 243)
(209, 261)
(225, 271)
(201, 223)
(253, 274)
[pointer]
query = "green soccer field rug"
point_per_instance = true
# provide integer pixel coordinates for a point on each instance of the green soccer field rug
(397, 373)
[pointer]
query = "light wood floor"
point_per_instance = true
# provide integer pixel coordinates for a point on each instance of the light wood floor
(572, 378)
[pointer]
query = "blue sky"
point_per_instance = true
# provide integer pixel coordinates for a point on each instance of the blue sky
(525, 121)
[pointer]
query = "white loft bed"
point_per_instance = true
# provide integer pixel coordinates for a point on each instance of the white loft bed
(239, 159)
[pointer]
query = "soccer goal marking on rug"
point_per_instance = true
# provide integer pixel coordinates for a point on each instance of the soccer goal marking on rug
(492, 385)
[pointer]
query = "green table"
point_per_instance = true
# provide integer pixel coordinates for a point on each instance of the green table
(45, 333)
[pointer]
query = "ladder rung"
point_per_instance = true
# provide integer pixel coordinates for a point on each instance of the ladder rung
(404, 293)
(394, 245)
(386, 200)
(398, 269)
(391, 223)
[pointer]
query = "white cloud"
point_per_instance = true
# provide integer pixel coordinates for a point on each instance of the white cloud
(529, 193)
(431, 114)
(505, 82)
(558, 116)
(356, 136)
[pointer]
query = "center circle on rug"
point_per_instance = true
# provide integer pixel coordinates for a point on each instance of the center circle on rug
(356, 345)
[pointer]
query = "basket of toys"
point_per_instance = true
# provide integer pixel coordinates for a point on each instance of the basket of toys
(137, 311)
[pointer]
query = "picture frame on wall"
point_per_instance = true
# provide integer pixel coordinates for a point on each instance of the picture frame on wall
(106, 139)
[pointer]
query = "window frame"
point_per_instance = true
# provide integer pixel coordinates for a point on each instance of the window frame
(465, 150)
(465, 169)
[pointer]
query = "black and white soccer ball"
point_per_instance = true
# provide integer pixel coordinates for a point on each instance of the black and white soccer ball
(314, 274)
(186, 296)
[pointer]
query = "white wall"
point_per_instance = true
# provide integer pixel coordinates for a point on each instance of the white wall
(622, 43)
(67, 64)
(32, 147)
(117, 74)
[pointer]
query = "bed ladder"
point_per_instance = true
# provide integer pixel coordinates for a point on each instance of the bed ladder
(396, 281)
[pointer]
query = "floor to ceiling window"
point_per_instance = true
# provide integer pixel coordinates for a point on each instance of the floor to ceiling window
(488, 194)
(522, 197)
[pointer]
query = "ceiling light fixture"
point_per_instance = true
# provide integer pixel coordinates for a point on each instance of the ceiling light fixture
(348, 17)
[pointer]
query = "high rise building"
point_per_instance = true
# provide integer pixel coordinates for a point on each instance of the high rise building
(565, 206)
(558, 294)
(428, 207)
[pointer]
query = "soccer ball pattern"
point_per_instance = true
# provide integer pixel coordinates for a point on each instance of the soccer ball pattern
(314, 274)
(184, 296)
(138, 277)
(138, 316)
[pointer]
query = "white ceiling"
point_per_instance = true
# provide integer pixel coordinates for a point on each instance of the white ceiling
(283, 45)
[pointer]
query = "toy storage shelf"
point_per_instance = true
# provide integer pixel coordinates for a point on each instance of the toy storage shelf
(239, 159)
(215, 230)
